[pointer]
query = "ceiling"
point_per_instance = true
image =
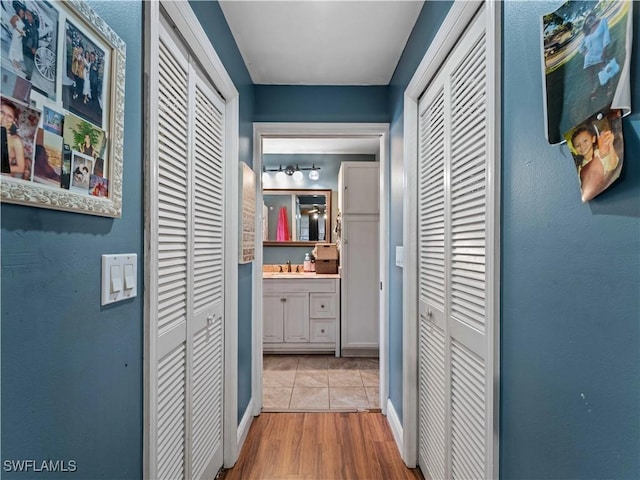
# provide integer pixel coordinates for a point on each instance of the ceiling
(327, 42)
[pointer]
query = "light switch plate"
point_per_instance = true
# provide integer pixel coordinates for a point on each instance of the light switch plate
(119, 277)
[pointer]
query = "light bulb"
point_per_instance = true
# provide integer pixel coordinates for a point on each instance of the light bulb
(297, 176)
(265, 177)
(315, 216)
(281, 176)
(314, 175)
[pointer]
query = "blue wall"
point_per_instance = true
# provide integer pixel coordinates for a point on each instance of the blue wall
(299, 103)
(71, 369)
(212, 20)
(570, 387)
(427, 25)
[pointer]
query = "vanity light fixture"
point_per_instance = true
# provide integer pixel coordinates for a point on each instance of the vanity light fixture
(295, 172)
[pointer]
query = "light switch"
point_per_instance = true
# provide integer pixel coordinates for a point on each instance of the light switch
(119, 280)
(400, 256)
(129, 276)
(116, 278)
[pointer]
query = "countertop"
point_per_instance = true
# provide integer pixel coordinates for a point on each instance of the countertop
(298, 276)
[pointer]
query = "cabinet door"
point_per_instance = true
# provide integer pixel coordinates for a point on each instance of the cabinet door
(360, 282)
(359, 188)
(296, 317)
(273, 314)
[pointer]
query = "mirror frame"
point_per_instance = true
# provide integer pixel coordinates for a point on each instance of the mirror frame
(302, 191)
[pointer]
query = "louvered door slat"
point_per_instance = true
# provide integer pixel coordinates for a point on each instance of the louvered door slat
(468, 412)
(432, 398)
(171, 410)
(431, 201)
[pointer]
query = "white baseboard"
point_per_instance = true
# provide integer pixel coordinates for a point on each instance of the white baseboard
(396, 425)
(245, 424)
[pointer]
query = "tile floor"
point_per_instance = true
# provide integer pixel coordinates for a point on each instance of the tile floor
(319, 383)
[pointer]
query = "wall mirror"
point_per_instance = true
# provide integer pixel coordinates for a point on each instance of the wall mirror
(296, 217)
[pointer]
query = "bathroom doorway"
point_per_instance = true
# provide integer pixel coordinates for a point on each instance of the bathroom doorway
(319, 380)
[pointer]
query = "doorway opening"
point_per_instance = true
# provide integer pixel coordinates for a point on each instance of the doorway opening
(324, 375)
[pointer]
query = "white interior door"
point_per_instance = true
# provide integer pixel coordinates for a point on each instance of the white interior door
(187, 279)
(454, 242)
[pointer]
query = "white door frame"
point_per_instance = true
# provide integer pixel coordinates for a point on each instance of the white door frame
(181, 14)
(305, 130)
(454, 25)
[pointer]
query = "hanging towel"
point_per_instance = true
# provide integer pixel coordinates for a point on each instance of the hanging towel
(282, 235)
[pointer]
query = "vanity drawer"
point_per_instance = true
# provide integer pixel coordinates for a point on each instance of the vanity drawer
(323, 331)
(302, 284)
(323, 305)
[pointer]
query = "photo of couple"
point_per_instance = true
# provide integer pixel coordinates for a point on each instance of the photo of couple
(29, 43)
(85, 69)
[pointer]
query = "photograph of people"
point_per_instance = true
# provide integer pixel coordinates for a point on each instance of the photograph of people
(85, 67)
(19, 125)
(17, 32)
(83, 137)
(582, 42)
(596, 155)
(81, 168)
(12, 147)
(30, 52)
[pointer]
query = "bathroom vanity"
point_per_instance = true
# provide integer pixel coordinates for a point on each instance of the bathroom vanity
(301, 313)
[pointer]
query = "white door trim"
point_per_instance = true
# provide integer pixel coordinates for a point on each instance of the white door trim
(454, 25)
(181, 14)
(293, 129)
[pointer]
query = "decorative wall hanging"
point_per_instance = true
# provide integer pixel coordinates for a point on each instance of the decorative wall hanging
(247, 213)
(586, 63)
(62, 92)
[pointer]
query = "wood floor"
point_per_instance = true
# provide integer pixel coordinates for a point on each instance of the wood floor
(320, 446)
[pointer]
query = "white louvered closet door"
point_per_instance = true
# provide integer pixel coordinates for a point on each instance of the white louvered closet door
(187, 290)
(455, 327)
(206, 332)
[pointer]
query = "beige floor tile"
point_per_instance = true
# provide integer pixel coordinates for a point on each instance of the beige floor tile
(276, 398)
(314, 398)
(348, 397)
(345, 378)
(373, 394)
(276, 378)
(280, 362)
(311, 378)
(314, 362)
(343, 363)
(370, 378)
(368, 363)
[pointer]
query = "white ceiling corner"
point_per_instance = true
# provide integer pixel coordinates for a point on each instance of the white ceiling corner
(326, 42)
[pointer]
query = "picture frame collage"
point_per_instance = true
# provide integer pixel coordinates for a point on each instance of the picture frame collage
(62, 72)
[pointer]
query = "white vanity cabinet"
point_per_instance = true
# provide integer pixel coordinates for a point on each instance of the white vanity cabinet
(301, 315)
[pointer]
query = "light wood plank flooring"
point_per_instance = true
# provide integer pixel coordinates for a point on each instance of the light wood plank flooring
(320, 446)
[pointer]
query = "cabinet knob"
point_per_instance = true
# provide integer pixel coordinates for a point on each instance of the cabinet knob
(322, 331)
(283, 299)
(321, 306)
